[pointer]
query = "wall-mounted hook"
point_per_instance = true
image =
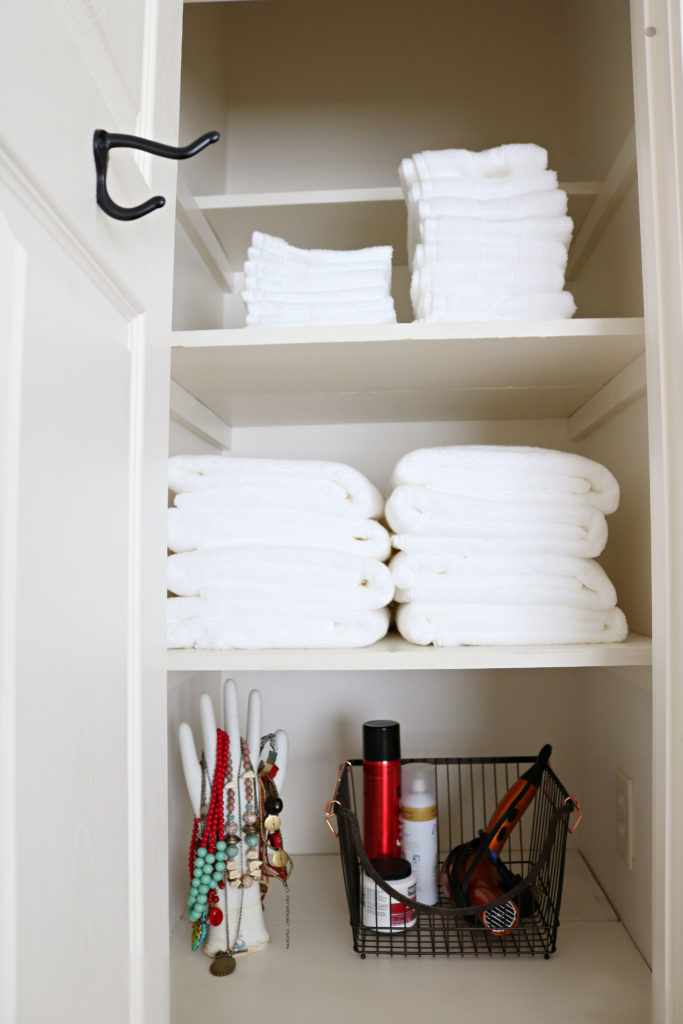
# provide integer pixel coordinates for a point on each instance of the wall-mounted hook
(104, 141)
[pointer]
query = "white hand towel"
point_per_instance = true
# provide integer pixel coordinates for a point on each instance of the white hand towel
(220, 528)
(503, 254)
(276, 263)
(277, 278)
(520, 279)
(519, 526)
(552, 203)
(482, 188)
(446, 625)
(478, 304)
(256, 298)
(262, 242)
(498, 162)
(471, 577)
(274, 578)
(510, 473)
(320, 314)
(481, 229)
(193, 622)
(311, 478)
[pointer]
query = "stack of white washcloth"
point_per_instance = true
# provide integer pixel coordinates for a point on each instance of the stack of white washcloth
(488, 235)
(275, 553)
(496, 545)
(285, 285)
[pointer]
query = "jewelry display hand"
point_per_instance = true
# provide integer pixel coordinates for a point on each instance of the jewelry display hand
(236, 843)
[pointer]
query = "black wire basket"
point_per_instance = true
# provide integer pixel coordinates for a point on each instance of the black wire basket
(468, 791)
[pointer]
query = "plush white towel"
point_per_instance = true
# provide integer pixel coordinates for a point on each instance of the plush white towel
(519, 279)
(273, 578)
(479, 304)
(510, 473)
(193, 622)
(516, 525)
(261, 242)
(314, 480)
(471, 577)
(552, 203)
(320, 314)
(482, 253)
(277, 264)
(482, 229)
(225, 527)
(482, 188)
(258, 298)
(273, 278)
(447, 625)
(498, 162)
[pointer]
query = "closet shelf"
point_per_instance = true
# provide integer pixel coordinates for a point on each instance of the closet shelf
(393, 653)
(411, 372)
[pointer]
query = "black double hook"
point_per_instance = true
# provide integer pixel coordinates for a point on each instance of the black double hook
(104, 141)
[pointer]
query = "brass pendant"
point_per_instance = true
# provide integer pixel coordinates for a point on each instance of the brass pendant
(223, 965)
(280, 858)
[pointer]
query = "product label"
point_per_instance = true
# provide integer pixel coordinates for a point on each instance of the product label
(418, 813)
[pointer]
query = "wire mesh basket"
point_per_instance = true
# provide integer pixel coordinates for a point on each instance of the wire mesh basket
(468, 790)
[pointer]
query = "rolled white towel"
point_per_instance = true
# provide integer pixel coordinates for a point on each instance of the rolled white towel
(481, 304)
(552, 203)
(519, 279)
(504, 254)
(219, 528)
(216, 625)
(482, 188)
(257, 298)
(471, 577)
(273, 578)
(498, 162)
(311, 479)
(452, 625)
(510, 473)
(482, 229)
(275, 278)
(516, 525)
(261, 242)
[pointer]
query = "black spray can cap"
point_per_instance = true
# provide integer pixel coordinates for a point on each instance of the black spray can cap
(381, 740)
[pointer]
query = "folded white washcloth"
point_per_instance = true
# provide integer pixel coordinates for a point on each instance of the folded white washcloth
(519, 279)
(482, 253)
(283, 577)
(551, 203)
(312, 479)
(229, 527)
(320, 314)
(480, 304)
(261, 242)
(270, 262)
(510, 473)
(519, 526)
(482, 229)
(510, 159)
(217, 625)
(482, 188)
(471, 577)
(450, 625)
(256, 298)
(275, 278)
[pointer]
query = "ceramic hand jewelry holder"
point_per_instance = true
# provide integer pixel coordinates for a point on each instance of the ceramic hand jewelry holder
(236, 841)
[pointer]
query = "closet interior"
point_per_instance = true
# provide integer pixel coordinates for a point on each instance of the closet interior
(317, 104)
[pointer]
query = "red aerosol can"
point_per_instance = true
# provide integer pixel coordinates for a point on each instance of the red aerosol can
(381, 788)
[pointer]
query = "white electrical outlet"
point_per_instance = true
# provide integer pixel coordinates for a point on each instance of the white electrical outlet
(624, 834)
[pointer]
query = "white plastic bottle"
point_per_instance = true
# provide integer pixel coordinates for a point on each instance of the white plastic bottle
(419, 838)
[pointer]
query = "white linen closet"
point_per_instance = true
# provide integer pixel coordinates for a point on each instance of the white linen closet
(109, 326)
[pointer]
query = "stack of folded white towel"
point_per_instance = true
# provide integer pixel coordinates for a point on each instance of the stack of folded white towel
(275, 553)
(285, 285)
(488, 235)
(496, 545)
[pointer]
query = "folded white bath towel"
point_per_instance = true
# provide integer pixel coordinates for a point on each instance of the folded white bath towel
(517, 525)
(229, 527)
(450, 625)
(482, 188)
(313, 479)
(311, 279)
(480, 304)
(482, 229)
(259, 298)
(471, 577)
(498, 162)
(261, 242)
(510, 473)
(551, 203)
(273, 578)
(503, 254)
(519, 279)
(216, 625)
(320, 314)
(276, 263)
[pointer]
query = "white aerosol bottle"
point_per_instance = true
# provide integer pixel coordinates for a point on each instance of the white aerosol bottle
(419, 837)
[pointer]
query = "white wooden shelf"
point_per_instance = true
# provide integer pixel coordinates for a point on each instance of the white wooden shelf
(393, 653)
(409, 372)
